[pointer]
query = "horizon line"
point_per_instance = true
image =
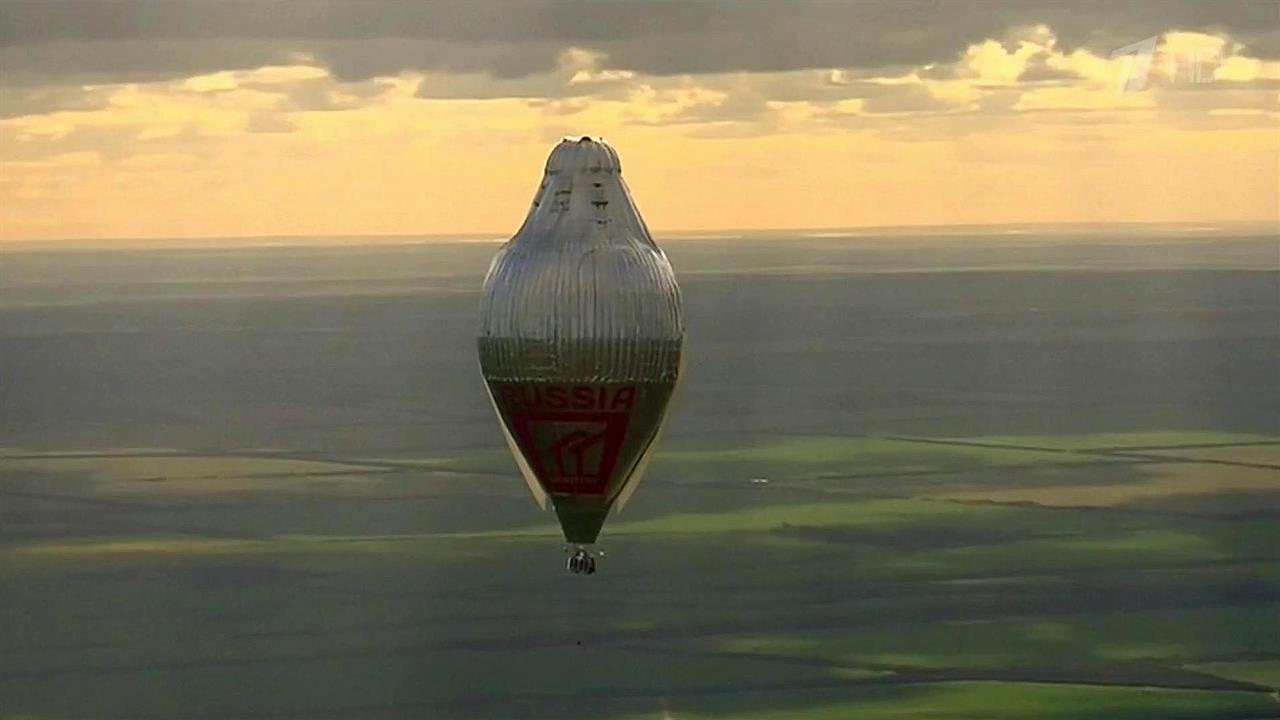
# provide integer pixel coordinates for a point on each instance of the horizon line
(814, 232)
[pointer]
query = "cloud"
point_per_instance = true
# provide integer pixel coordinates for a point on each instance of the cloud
(1027, 70)
(1246, 69)
(1081, 98)
(139, 39)
(110, 126)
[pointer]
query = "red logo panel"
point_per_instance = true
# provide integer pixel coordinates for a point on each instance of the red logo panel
(570, 435)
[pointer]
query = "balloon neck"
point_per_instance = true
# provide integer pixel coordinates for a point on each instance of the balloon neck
(581, 523)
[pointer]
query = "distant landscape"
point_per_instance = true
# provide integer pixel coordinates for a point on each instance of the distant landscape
(980, 474)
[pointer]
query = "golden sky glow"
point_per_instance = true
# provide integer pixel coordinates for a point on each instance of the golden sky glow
(1012, 130)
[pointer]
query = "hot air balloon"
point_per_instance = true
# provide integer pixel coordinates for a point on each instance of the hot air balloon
(580, 341)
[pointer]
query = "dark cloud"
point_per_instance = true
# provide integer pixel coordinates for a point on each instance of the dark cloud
(739, 105)
(90, 61)
(903, 99)
(1038, 71)
(517, 38)
(17, 101)
(363, 59)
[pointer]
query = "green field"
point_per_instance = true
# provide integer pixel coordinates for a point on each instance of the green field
(1262, 672)
(981, 582)
(1002, 701)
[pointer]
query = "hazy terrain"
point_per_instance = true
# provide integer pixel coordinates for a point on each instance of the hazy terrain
(1011, 475)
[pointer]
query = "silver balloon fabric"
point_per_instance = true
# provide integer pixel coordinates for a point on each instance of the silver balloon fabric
(581, 338)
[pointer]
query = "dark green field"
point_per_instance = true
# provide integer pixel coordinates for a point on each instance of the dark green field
(1046, 490)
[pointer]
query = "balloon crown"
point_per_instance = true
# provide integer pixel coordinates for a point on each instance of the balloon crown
(583, 154)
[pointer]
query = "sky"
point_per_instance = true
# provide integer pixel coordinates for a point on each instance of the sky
(203, 118)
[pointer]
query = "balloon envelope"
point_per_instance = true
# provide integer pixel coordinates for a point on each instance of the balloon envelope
(581, 338)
